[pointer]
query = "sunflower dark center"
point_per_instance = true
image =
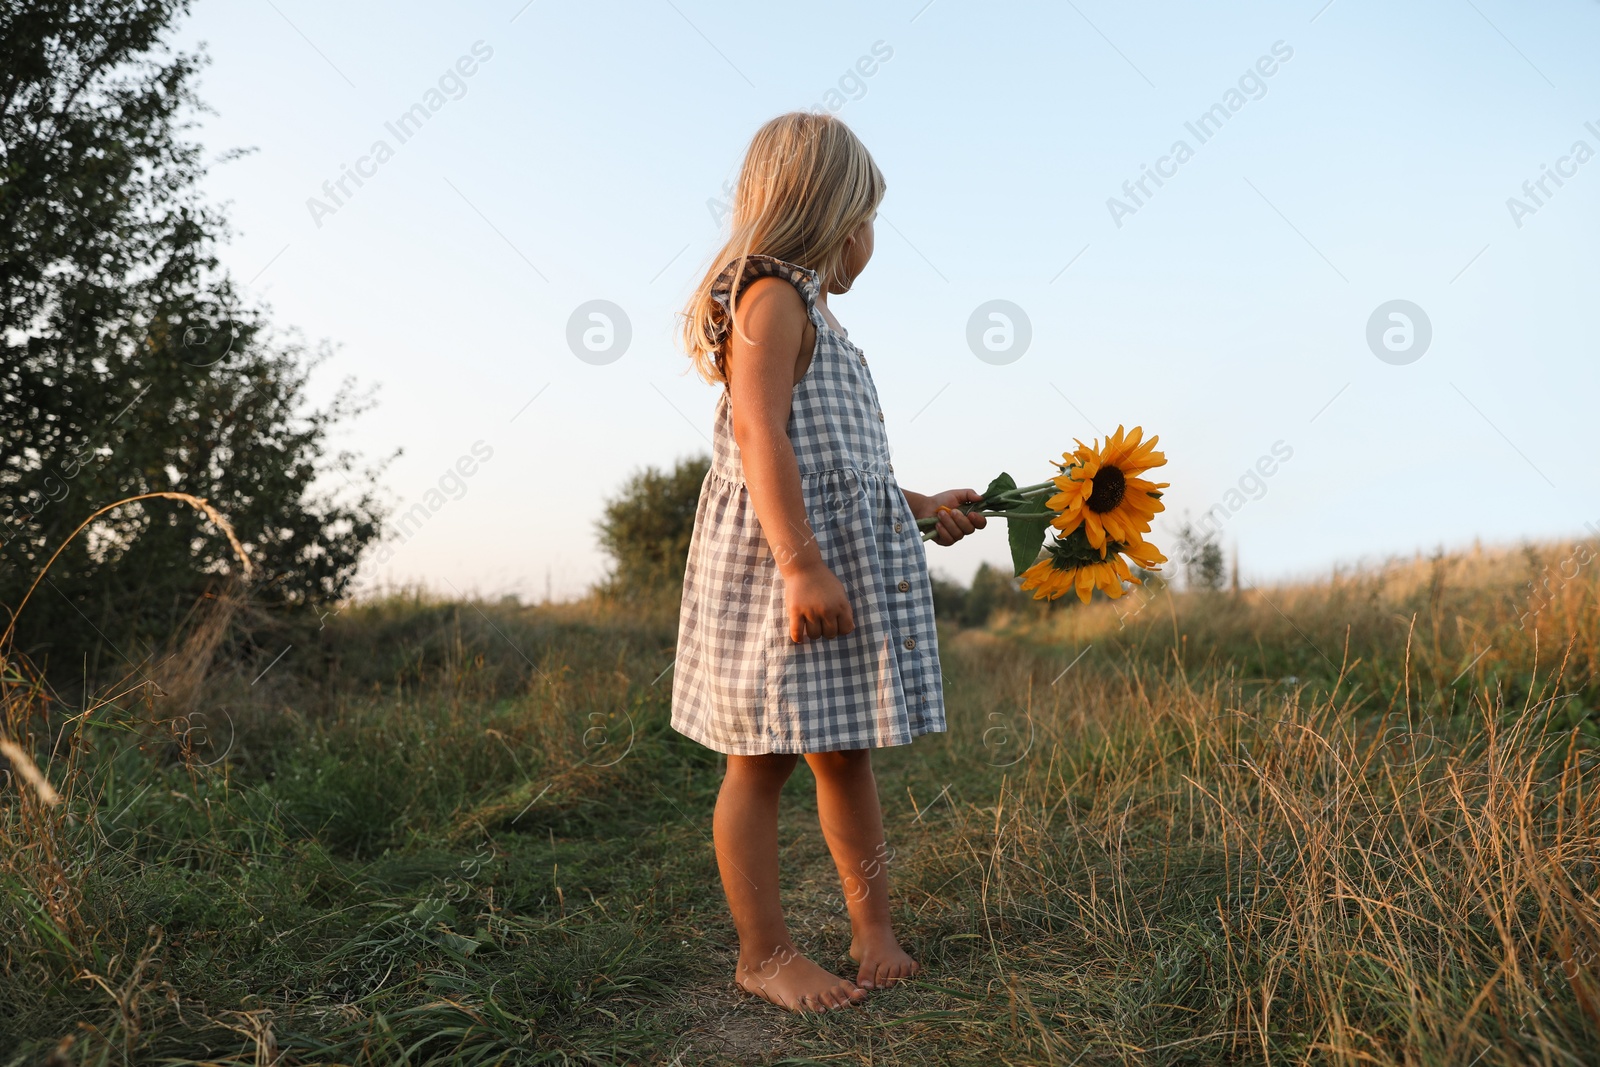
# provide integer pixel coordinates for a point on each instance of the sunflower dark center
(1109, 489)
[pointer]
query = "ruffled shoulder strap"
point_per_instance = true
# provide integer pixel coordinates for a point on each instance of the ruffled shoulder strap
(754, 266)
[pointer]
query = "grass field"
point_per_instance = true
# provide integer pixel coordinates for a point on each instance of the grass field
(1349, 821)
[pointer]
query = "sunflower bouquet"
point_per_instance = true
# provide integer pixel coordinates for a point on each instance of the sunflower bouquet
(1098, 508)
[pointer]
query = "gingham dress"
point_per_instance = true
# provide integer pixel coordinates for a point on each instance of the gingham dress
(740, 685)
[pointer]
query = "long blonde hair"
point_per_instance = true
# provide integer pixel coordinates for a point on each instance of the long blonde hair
(807, 182)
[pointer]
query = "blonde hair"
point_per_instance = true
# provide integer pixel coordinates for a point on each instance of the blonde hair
(806, 184)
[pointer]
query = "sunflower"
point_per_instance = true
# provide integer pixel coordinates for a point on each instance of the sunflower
(1049, 581)
(1101, 491)
(1072, 564)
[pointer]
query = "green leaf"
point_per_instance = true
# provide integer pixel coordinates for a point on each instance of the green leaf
(454, 942)
(1003, 483)
(1027, 537)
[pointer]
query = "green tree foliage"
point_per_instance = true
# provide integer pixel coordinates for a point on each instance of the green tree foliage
(646, 527)
(1200, 557)
(992, 588)
(128, 363)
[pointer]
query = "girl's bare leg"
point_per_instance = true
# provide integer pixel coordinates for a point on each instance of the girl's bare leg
(745, 829)
(852, 821)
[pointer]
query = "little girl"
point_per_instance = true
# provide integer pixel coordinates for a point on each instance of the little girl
(807, 622)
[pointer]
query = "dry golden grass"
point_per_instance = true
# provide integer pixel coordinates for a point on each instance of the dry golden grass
(1351, 822)
(1310, 883)
(32, 838)
(1360, 814)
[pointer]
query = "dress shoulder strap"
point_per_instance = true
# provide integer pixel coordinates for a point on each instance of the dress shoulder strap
(738, 275)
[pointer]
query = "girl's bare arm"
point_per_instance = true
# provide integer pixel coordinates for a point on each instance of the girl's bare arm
(766, 352)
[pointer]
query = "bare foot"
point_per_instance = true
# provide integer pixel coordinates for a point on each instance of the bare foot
(883, 962)
(793, 982)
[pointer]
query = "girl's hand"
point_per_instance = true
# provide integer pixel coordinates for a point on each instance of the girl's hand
(817, 603)
(953, 524)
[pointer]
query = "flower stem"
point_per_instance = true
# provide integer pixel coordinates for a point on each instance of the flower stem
(1025, 494)
(932, 520)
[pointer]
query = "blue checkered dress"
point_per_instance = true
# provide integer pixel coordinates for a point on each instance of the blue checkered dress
(740, 685)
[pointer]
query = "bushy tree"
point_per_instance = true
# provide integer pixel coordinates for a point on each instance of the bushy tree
(1200, 557)
(646, 527)
(992, 589)
(128, 363)
(949, 598)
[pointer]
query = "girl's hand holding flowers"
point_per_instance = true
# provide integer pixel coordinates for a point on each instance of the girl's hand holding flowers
(1098, 508)
(949, 522)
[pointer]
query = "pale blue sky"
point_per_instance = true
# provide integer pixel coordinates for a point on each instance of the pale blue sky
(1228, 313)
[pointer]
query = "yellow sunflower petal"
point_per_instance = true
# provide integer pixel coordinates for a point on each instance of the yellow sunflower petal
(1110, 584)
(1094, 528)
(1117, 528)
(1144, 553)
(1066, 522)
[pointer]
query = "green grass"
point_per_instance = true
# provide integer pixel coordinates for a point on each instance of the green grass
(464, 833)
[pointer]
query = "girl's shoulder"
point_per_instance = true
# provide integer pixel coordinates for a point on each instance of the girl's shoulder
(749, 278)
(740, 273)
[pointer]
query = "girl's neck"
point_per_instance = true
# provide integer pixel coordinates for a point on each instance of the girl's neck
(827, 313)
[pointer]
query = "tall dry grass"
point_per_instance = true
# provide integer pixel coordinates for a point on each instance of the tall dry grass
(1422, 631)
(1277, 877)
(1189, 852)
(1340, 822)
(40, 864)
(409, 724)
